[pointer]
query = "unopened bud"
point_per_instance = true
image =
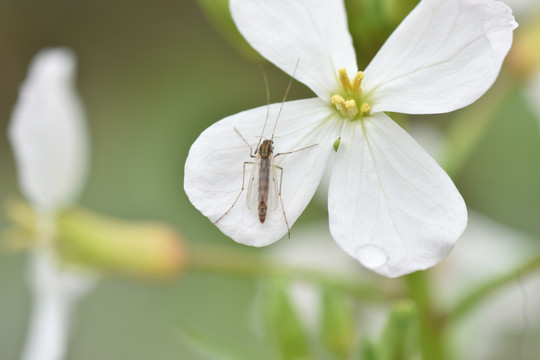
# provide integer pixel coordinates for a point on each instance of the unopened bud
(524, 57)
(144, 249)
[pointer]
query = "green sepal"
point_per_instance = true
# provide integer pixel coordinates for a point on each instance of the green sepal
(337, 328)
(400, 337)
(368, 351)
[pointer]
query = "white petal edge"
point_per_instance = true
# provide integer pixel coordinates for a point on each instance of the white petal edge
(391, 206)
(48, 132)
(311, 32)
(214, 166)
(442, 57)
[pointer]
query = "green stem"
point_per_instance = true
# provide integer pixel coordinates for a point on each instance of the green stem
(216, 259)
(432, 323)
(479, 294)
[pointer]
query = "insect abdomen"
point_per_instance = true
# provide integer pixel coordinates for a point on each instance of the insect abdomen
(264, 177)
(262, 211)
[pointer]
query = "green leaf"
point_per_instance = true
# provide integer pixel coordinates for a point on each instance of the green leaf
(282, 322)
(210, 347)
(337, 324)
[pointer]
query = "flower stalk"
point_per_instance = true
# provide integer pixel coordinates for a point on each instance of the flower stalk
(220, 260)
(484, 291)
(432, 322)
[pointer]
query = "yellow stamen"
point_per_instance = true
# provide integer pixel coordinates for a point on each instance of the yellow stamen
(347, 102)
(365, 109)
(346, 107)
(357, 83)
(344, 79)
(338, 99)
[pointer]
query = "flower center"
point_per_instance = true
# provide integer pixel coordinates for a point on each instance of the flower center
(350, 102)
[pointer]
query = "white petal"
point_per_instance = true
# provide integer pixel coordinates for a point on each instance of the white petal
(390, 204)
(442, 57)
(214, 167)
(313, 32)
(48, 133)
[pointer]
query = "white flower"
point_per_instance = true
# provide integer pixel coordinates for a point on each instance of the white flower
(390, 204)
(486, 332)
(49, 138)
(48, 132)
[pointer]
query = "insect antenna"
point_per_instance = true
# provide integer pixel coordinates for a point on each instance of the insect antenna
(267, 107)
(284, 98)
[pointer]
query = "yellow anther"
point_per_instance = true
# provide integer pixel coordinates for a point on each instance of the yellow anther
(365, 109)
(344, 79)
(355, 86)
(350, 107)
(357, 83)
(346, 107)
(346, 103)
(338, 99)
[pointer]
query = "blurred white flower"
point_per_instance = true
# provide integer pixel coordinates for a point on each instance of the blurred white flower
(48, 132)
(490, 329)
(391, 206)
(56, 291)
(49, 138)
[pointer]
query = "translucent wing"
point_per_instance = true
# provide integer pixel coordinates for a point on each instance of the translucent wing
(273, 186)
(252, 198)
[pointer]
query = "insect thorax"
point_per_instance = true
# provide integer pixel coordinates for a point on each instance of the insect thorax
(266, 148)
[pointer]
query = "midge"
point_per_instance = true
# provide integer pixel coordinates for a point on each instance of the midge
(264, 192)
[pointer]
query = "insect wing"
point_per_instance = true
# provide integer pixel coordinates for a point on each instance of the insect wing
(273, 186)
(252, 198)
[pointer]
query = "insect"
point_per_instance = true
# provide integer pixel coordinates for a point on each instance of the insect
(264, 189)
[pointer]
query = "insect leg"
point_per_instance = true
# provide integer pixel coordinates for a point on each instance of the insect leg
(297, 150)
(241, 190)
(281, 200)
(251, 154)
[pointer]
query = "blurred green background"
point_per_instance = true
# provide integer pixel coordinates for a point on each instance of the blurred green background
(153, 75)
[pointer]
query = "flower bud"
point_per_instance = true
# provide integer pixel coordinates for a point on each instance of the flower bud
(146, 249)
(524, 58)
